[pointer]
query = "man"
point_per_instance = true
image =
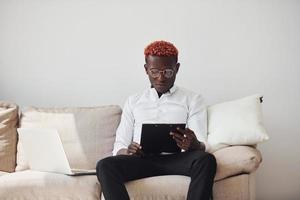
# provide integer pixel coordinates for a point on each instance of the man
(162, 103)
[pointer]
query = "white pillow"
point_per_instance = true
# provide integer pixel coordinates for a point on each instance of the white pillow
(237, 122)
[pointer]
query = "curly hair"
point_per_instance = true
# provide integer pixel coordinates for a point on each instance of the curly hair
(161, 48)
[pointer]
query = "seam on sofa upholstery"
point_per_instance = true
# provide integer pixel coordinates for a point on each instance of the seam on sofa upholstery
(238, 174)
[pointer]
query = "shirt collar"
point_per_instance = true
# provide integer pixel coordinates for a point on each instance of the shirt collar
(171, 90)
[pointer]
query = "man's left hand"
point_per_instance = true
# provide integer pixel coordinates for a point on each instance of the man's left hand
(186, 139)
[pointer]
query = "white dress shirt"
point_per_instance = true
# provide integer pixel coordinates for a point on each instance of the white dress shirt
(178, 105)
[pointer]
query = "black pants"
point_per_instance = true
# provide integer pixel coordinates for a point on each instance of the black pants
(113, 172)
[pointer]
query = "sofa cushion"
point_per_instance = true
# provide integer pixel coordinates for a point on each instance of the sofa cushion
(232, 161)
(8, 136)
(238, 122)
(87, 134)
(175, 187)
(34, 185)
(236, 160)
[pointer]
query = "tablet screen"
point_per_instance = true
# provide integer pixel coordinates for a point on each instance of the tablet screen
(156, 138)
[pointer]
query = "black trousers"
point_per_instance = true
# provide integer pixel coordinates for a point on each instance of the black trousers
(114, 171)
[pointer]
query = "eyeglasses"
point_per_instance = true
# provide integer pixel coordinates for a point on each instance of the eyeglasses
(155, 73)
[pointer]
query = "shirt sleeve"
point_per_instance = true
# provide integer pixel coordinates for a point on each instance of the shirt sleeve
(124, 133)
(197, 119)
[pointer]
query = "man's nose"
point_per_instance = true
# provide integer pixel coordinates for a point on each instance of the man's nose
(161, 76)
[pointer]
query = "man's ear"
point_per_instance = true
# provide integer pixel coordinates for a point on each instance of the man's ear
(145, 66)
(177, 67)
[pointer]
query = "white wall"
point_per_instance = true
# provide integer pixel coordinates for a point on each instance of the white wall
(85, 53)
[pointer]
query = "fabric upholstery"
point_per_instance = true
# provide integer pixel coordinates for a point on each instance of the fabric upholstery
(8, 136)
(236, 160)
(3, 173)
(241, 187)
(87, 134)
(176, 187)
(34, 185)
(238, 122)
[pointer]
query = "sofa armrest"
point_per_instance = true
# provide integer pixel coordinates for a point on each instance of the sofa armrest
(236, 160)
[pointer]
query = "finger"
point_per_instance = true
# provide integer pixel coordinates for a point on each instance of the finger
(182, 146)
(175, 134)
(131, 151)
(133, 148)
(182, 131)
(182, 140)
(178, 142)
(136, 145)
(179, 136)
(188, 134)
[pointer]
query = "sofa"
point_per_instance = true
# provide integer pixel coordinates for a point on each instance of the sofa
(88, 135)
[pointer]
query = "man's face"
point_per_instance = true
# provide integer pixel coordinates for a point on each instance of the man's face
(161, 71)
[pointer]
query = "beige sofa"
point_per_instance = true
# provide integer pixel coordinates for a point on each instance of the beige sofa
(88, 135)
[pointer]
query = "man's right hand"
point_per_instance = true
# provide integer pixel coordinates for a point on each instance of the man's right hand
(133, 149)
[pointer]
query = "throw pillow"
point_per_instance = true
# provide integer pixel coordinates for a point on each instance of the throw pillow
(238, 122)
(8, 136)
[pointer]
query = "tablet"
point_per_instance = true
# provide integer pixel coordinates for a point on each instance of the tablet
(156, 138)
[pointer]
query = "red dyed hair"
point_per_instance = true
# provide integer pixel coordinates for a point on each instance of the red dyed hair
(161, 48)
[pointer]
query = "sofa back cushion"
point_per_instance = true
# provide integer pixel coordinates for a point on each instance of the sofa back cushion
(87, 134)
(8, 136)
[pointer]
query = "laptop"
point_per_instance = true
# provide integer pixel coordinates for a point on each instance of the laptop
(44, 152)
(156, 138)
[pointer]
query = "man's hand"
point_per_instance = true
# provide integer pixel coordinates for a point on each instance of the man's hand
(187, 140)
(133, 149)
